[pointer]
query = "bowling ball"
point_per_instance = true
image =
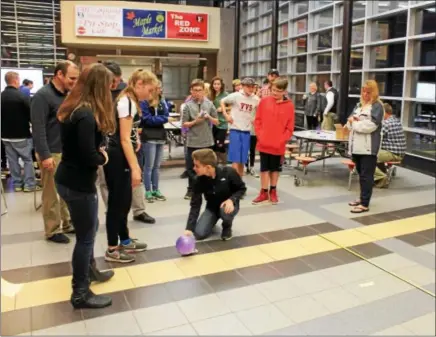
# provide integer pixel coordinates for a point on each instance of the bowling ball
(185, 244)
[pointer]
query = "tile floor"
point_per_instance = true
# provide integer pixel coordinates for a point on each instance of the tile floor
(304, 267)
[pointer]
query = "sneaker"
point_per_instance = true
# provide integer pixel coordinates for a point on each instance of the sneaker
(273, 197)
(18, 189)
(149, 196)
(134, 246)
(184, 175)
(254, 173)
(159, 196)
(226, 234)
(59, 238)
(145, 218)
(32, 189)
(188, 195)
(261, 198)
(118, 256)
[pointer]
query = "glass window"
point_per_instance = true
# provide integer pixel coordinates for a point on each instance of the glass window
(176, 80)
(359, 9)
(266, 21)
(301, 7)
(388, 56)
(301, 26)
(299, 117)
(283, 31)
(265, 53)
(323, 61)
(355, 83)
(269, 5)
(390, 28)
(265, 37)
(421, 145)
(301, 45)
(390, 83)
(356, 59)
(301, 64)
(283, 66)
(422, 116)
(426, 21)
(425, 53)
(320, 3)
(300, 83)
(284, 12)
(298, 101)
(322, 40)
(385, 6)
(357, 34)
(283, 48)
(423, 85)
(324, 19)
(320, 79)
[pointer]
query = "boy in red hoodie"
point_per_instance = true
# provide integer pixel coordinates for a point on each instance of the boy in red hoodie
(274, 125)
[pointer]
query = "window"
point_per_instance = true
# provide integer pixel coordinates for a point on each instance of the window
(423, 85)
(359, 9)
(283, 48)
(320, 79)
(388, 56)
(299, 117)
(283, 31)
(322, 40)
(265, 37)
(355, 83)
(356, 59)
(265, 53)
(323, 61)
(299, 103)
(425, 53)
(301, 7)
(426, 21)
(301, 64)
(390, 28)
(176, 80)
(266, 21)
(300, 83)
(253, 12)
(422, 116)
(283, 66)
(421, 145)
(284, 12)
(301, 45)
(301, 26)
(324, 19)
(389, 83)
(385, 6)
(321, 3)
(357, 34)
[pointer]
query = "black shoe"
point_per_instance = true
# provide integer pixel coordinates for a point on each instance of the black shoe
(144, 217)
(184, 175)
(59, 238)
(96, 275)
(226, 234)
(188, 195)
(81, 299)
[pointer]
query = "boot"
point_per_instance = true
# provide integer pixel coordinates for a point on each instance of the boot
(84, 298)
(97, 275)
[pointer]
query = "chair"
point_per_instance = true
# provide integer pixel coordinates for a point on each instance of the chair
(304, 161)
(35, 202)
(352, 168)
(289, 154)
(391, 170)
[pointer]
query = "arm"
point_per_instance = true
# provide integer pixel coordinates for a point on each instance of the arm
(194, 212)
(318, 104)
(153, 120)
(38, 114)
(85, 133)
(237, 185)
(228, 100)
(289, 129)
(258, 118)
(213, 115)
(330, 101)
(126, 124)
(370, 125)
(186, 123)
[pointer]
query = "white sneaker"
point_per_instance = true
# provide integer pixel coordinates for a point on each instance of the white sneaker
(254, 173)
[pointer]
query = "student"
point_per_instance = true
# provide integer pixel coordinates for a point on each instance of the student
(219, 131)
(197, 114)
(331, 104)
(265, 91)
(222, 188)
(123, 170)
(243, 108)
(153, 137)
(236, 84)
(85, 115)
(274, 126)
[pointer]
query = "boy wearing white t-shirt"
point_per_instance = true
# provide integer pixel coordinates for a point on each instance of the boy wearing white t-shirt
(241, 116)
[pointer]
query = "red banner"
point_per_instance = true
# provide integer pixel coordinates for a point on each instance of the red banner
(187, 26)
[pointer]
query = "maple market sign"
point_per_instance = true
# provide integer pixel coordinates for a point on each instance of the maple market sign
(96, 21)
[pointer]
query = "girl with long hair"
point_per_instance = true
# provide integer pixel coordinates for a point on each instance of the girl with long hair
(217, 93)
(123, 170)
(85, 117)
(365, 124)
(153, 137)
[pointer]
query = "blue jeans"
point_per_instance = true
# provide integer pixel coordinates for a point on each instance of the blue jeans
(208, 220)
(152, 159)
(23, 150)
(83, 209)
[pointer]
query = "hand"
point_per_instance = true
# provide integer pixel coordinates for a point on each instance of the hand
(219, 110)
(139, 131)
(188, 233)
(206, 116)
(104, 153)
(198, 120)
(228, 206)
(49, 164)
(138, 147)
(304, 97)
(350, 120)
(136, 177)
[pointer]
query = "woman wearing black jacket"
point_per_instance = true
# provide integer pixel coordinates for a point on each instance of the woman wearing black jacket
(85, 116)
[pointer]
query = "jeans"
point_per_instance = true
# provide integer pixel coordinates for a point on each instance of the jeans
(83, 209)
(15, 151)
(365, 166)
(208, 220)
(152, 159)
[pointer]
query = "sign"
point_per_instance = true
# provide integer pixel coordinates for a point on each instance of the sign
(187, 26)
(144, 23)
(99, 21)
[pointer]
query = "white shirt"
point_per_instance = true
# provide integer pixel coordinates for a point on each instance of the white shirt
(123, 108)
(243, 109)
(330, 96)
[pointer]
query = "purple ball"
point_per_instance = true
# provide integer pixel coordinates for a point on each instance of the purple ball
(185, 244)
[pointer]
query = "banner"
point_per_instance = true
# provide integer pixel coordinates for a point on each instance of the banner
(99, 21)
(187, 26)
(144, 23)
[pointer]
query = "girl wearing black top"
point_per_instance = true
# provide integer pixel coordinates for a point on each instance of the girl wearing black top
(85, 115)
(123, 171)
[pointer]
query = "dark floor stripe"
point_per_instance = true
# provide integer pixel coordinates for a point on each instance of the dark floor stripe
(50, 315)
(419, 239)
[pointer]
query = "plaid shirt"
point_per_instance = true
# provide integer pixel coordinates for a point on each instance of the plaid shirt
(265, 91)
(393, 139)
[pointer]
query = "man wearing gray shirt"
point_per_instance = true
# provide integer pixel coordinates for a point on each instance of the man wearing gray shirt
(198, 113)
(48, 148)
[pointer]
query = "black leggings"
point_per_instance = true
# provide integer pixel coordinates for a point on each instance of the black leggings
(219, 136)
(4, 159)
(252, 156)
(365, 167)
(312, 122)
(119, 185)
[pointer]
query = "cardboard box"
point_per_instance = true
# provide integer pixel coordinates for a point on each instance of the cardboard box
(342, 132)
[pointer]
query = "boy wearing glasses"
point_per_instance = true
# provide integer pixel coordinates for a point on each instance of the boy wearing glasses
(197, 114)
(274, 125)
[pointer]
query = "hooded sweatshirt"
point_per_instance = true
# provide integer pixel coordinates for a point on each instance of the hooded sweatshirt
(274, 125)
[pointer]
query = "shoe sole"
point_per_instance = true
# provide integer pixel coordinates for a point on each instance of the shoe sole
(133, 251)
(261, 202)
(227, 239)
(110, 259)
